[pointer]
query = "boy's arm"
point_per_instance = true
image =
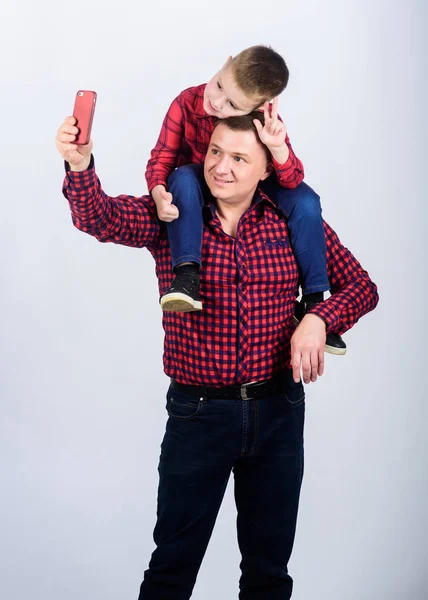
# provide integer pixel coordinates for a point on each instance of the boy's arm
(164, 156)
(290, 173)
(288, 168)
(353, 293)
(125, 220)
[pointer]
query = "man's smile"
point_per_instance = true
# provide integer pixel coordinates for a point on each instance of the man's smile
(222, 181)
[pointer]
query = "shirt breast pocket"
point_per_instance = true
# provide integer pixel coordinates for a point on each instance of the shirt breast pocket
(271, 263)
(282, 243)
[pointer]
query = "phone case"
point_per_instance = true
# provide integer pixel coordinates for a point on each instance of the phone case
(84, 108)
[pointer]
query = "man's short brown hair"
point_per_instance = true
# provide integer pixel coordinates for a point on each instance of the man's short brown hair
(260, 72)
(245, 123)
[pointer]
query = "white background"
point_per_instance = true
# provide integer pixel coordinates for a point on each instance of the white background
(82, 386)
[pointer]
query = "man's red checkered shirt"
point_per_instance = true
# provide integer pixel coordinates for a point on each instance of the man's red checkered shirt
(248, 284)
(185, 137)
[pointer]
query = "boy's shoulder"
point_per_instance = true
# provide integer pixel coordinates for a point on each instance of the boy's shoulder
(192, 99)
(190, 94)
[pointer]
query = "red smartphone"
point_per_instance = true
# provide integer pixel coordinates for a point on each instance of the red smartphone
(84, 108)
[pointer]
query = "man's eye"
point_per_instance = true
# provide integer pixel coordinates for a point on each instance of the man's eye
(238, 158)
(215, 151)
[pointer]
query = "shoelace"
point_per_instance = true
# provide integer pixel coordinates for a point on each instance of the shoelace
(184, 281)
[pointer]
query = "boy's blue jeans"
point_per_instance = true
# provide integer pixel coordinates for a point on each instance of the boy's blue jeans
(301, 207)
(261, 442)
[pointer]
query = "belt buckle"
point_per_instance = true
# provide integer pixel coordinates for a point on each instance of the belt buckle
(243, 390)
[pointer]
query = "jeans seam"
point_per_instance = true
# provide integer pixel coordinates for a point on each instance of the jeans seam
(256, 426)
(244, 406)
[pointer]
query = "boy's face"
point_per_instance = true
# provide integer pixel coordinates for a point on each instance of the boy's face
(222, 98)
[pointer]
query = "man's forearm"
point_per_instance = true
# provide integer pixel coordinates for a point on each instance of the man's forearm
(125, 220)
(353, 293)
(344, 308)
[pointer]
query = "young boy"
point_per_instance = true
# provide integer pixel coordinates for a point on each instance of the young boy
(246, 82)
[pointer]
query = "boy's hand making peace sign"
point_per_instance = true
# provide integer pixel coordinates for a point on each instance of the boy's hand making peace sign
(273, 133)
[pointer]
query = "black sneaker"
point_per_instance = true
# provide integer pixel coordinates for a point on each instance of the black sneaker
(334, 343)
(183, 293)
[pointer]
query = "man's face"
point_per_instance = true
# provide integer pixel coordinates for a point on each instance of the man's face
(234, 164)
(222, 98)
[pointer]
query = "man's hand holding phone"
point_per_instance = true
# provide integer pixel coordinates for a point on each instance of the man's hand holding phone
(73, 139)
(78, 156)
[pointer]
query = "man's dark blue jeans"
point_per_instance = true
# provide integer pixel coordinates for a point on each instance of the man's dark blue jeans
(261, 442)
(301, 207)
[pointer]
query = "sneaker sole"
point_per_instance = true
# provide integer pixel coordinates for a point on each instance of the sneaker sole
(179, 303)
(327, 348)
(333, 350)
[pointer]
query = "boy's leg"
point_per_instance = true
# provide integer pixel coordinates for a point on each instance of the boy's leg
(267, 490)
(302, 208)
(198, 452)
(186, 185)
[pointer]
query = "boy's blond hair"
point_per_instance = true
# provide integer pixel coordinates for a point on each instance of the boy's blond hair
(260, 72)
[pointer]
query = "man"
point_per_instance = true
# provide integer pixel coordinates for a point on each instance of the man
(234, 404)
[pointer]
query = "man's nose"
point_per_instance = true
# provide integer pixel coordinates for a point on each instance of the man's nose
(223, 166)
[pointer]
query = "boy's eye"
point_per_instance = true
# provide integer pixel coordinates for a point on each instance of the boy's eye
(232, 105)
(219, 85)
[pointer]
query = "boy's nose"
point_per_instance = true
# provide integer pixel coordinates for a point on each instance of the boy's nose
(218, 102)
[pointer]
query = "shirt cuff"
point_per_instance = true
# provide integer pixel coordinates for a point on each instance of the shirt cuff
(156, 182)
(80, 179)
(330, 316)
(284, 166)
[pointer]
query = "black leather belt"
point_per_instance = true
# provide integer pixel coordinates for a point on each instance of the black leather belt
(246, 391)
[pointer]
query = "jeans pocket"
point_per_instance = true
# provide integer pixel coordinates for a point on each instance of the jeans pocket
(180, 406)
(295, 394)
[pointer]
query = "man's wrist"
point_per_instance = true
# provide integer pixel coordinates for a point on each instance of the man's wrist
(316, 319)
(83, 166)
(326, 312)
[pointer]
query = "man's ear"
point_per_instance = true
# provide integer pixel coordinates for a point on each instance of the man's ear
(269, 169)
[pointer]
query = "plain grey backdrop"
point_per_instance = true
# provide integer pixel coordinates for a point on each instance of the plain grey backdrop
(82, 385)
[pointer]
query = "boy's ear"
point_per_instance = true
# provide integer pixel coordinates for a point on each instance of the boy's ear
(228, 59)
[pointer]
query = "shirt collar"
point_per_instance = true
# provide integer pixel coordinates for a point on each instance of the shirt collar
(258, 197)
